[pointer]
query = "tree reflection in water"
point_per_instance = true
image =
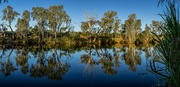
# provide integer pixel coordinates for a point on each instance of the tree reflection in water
(108, 60)
(22, 59)
(132, 57)
(50, 66)
(48, 62)
(53, 62)
(89, 61)
(6, 66)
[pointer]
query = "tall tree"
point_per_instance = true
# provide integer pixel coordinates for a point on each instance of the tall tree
(23, 24)
(155, 27)
(110, 22)
(21, 27)
(116, 27)
(58, 19)
(9, 15)
(26, 15)
(147, 36)
(40, 15)
(89, 26)
(3, 29)
(133, 28)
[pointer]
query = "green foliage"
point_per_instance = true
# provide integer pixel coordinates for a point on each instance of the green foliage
(89, 28)
(40, 15)
(57, 18)
(108, 25)
(65, 39)
(110, 22)
(146, 35)
(169, 47)
(54, 22)
(132, 28)
(26, 15)
(9, 15)
(23, 23)
(155, 27)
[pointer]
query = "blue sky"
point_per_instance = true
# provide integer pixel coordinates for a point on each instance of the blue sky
(146, 10)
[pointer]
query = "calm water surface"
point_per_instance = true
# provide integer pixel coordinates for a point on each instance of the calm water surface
(77, 66)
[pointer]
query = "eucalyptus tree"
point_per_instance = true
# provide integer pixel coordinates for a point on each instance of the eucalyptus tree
(26, 16)
(89, 26)
(155, 27)
(116, 27)
(133, 28)
(122, 31)
(59, 20)
(110, 22)
(3, 29)
(147, 36)
(9, 15)
(23, 24)
(40, 15)
(34, 32)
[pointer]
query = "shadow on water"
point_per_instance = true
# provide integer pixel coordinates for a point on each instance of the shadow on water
(56, 63)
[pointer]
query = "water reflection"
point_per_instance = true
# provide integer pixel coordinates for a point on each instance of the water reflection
(22, 59)
(46, 62)
(132, 57)
(6, 65)
(108, 60)
(55, 62)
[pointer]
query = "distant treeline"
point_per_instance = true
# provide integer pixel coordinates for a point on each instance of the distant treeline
(53, 26)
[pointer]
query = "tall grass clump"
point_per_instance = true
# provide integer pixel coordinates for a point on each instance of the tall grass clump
(169, 47)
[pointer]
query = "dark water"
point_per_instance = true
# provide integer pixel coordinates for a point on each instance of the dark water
(77, 66)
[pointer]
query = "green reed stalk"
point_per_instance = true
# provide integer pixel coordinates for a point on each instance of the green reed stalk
(169, 46)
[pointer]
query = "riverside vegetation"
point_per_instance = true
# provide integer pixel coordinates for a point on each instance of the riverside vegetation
(53, 27)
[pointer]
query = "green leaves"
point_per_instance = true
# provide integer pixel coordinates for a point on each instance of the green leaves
(39, 14)
(132, 27)
(23, 24)
(58, 19)
(26, 15)
(110, 22)
(9, 15)
(169, 47)
(54, 17)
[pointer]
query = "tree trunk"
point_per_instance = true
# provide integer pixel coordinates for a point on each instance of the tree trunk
(12, 32)
(55, 35)
(94, 40)
(90, 38)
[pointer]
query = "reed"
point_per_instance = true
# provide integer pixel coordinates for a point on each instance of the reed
(169, 47)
